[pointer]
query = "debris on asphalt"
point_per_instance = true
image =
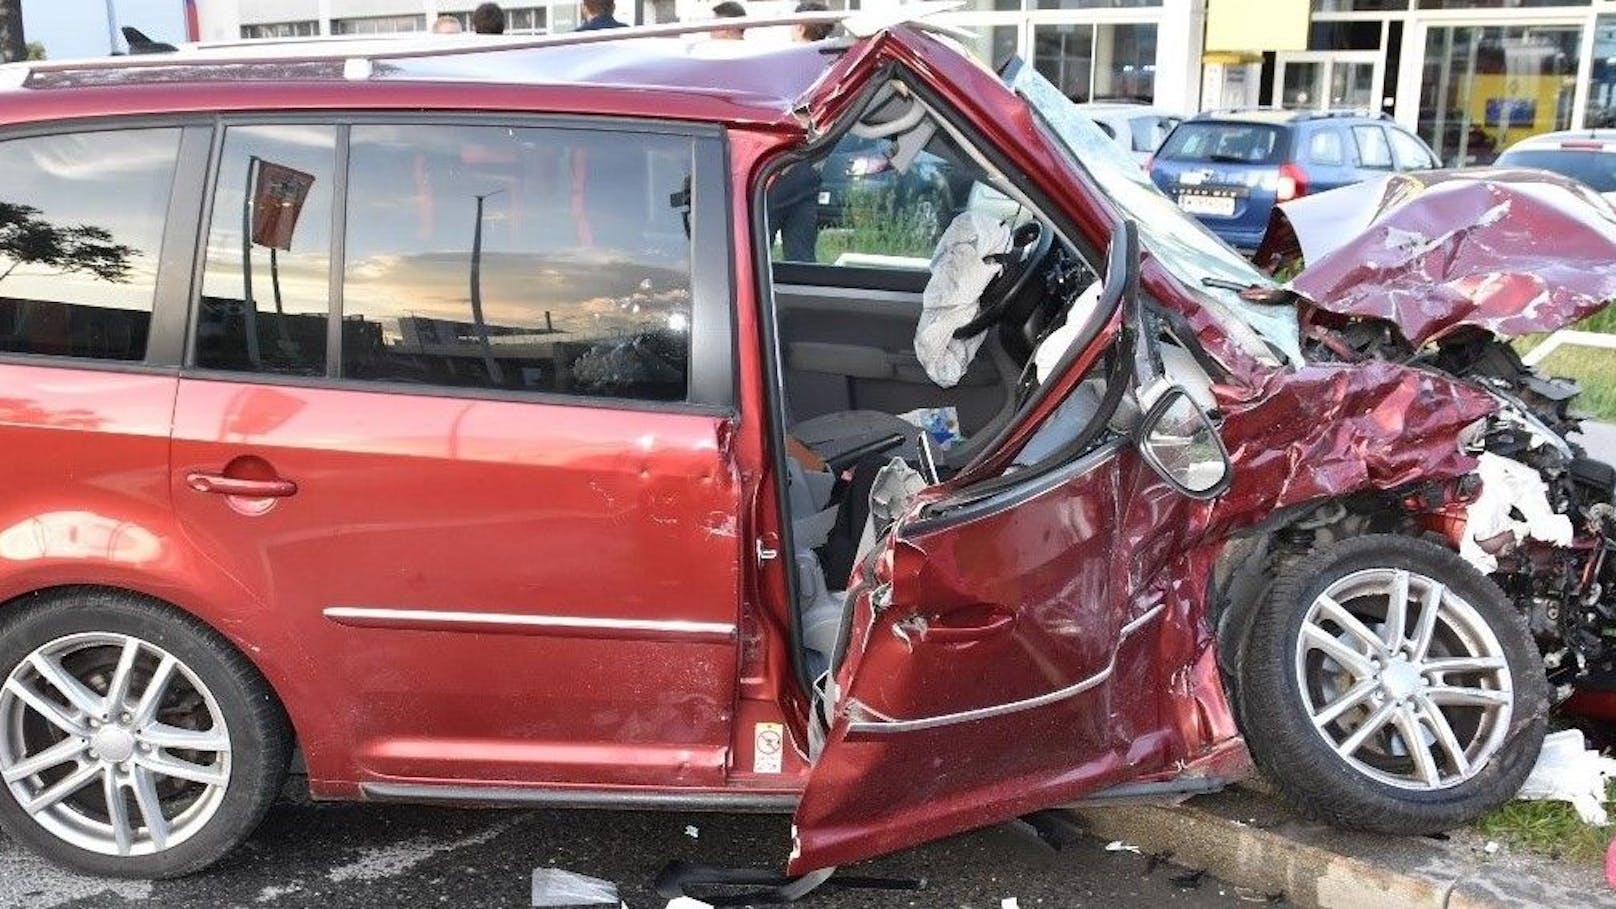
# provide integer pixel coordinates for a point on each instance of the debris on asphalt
(691, 831)
(1567, 770)
(1009, 902)
(1120, 846)
(553, 887)
(1491, 848)
(687, 902)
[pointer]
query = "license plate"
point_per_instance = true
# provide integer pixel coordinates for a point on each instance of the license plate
(824, 197)
(1195, 204)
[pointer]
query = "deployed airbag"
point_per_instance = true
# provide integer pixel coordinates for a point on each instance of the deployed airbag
(960, 271)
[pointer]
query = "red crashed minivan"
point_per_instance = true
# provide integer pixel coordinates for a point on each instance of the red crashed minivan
(497, 421)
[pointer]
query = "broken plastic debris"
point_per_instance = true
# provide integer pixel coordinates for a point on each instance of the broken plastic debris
(687, 902)
(691, 831)
(555, 887)
(1120, 846)
(1009, 902)
(1568, 770)
(1508, 488)
(1491, 847)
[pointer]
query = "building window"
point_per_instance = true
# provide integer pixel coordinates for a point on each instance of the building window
(305, 29)
(1098, 62)
(266, 280)
(81, 226)
(378, 25)
(1094, 4)
(523, 259)
(1483, 88)
(1347, 6)
(1497, 4)
(533, 20)
(1602, 76)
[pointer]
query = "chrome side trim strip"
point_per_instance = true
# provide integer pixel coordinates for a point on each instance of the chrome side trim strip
(886, 725)
(521, 623)
(663, 800)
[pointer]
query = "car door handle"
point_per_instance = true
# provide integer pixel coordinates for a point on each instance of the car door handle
(220, 484)
(942, 631)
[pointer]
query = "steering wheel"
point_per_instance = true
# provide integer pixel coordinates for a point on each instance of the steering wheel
(1030, 246)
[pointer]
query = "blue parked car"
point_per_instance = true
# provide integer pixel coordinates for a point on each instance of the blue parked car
(1228, 168)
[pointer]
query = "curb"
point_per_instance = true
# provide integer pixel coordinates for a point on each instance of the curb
(1267, 862)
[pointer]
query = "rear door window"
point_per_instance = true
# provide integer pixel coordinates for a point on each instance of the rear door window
(1373, 152)
(81, 226)
(519, 258)
(267, 278)
(1326, 147)
(1234, 143)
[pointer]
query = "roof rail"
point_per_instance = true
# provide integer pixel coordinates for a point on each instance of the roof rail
(1351, 112)
(358, 61)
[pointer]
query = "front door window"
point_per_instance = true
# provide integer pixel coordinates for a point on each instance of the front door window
(1483, 88)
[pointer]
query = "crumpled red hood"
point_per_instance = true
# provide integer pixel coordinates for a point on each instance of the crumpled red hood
(1512, 251)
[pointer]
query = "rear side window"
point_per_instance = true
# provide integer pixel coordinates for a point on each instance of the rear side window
(266, 282)
(81, 226)
(1595, 168)
(1326, 148)
(1409, 152)
(1234, 143)
(1372, 148)
(535, 259)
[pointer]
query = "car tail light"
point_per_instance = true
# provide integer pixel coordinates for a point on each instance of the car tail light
(865, 165)
(1594, 144)
(1292, 182)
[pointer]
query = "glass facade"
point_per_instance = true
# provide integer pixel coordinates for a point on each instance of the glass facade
(378, 25)
(307, 29)
(1486, 87)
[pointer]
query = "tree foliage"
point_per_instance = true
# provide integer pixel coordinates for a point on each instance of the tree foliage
(35, 50)
(27, 238)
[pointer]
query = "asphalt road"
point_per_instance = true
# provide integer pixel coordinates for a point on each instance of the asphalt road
(336, 856)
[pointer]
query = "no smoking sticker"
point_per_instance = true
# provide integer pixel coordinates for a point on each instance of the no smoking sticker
(768, 741)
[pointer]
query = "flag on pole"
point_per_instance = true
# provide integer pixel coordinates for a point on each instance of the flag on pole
(278, 199)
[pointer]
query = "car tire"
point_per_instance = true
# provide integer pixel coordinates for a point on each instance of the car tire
(207, 751)
(1471, 689)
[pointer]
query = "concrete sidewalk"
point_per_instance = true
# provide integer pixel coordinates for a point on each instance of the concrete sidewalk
(1253, 841)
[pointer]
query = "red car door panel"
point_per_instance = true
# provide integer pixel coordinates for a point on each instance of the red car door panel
(1011, 709)
(484, 590)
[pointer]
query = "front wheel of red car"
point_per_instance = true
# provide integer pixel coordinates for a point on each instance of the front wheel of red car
(1388, 685)
(134, 740)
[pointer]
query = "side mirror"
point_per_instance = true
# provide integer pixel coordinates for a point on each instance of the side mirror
(1179, 442)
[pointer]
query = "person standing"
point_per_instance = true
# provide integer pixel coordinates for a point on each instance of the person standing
(599, 14)
(793, 198)
(446, 25)
(729, 9)
(811, 31)
(488, 19)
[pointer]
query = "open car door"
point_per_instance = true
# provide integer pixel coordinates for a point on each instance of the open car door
(1023, 641)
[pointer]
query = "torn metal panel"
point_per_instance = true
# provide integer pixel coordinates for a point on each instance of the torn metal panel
(1508, 251)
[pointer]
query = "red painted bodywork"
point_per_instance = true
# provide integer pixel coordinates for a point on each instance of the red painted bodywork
(1509, 251)
(648, 522)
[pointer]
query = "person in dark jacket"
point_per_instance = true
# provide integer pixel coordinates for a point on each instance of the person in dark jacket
(598, 14)
(729, 9)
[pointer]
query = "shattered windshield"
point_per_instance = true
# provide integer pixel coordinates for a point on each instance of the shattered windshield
(1181, 243)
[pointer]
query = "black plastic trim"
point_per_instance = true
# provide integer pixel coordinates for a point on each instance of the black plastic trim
(165, 338)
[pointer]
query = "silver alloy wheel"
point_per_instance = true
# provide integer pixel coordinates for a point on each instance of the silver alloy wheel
(1404, 679)
(112, 744)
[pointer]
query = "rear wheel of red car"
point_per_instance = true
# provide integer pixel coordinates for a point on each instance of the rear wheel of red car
(134, 740)
(1388, 685)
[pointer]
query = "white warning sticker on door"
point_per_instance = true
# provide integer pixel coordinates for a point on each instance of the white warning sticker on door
(768, 741)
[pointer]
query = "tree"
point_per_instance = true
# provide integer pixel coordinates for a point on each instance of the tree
(12, 45)
(36, 51)
(28, 239)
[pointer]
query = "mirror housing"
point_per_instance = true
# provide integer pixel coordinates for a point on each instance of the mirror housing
(1179, 442)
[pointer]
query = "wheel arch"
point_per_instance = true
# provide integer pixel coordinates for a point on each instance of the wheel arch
(11, 600)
